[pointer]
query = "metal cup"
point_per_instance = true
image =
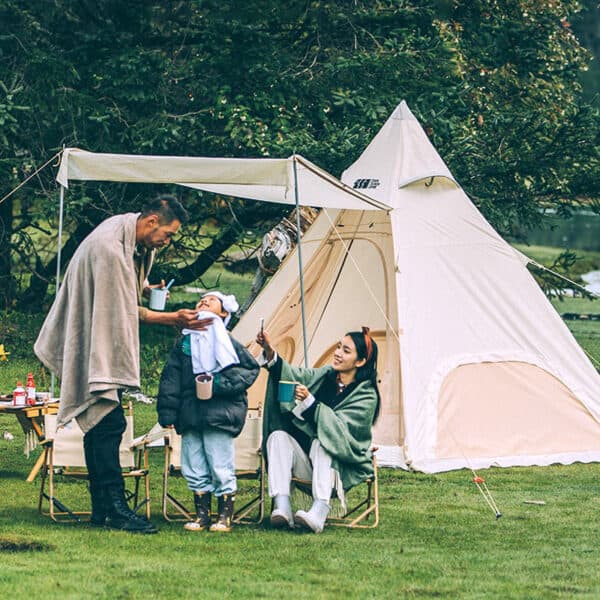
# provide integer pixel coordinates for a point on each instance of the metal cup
(158, 298)
(286, 391)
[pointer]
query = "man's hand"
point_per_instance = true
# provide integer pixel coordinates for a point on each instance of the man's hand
(187, 318)
(184, 318)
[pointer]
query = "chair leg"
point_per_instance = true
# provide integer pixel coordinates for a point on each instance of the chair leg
(43, 494)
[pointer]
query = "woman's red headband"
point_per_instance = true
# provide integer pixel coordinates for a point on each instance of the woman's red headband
(368, 342)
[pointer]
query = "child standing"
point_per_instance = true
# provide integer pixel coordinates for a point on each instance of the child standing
(208, 427)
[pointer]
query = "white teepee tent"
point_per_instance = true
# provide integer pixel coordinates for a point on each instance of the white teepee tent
(476, 367)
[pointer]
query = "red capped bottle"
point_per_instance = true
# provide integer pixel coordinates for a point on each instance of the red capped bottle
(19, 395)
(30, 390)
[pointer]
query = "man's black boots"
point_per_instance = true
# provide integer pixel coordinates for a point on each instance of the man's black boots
(98, 516)
(120, 516)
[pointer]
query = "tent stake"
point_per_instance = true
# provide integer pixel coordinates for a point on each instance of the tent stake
(298, 236)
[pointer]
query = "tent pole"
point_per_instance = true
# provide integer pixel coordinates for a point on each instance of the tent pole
(58, 252)
(299, 245)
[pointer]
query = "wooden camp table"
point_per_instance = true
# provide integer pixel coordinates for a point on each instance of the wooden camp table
(31, 419)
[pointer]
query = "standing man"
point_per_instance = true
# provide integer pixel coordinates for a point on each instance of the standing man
(90, 339)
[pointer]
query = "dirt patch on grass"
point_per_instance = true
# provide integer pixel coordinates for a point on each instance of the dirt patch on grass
(17, 544)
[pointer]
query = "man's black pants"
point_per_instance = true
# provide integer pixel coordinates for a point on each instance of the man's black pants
(101, 446)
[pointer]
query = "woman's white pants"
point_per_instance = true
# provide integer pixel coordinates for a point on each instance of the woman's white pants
(287, 459)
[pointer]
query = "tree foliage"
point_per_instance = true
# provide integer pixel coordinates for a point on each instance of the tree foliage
(494, 83)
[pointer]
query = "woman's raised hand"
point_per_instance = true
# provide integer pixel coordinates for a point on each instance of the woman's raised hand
(263, 340)
(301, 393)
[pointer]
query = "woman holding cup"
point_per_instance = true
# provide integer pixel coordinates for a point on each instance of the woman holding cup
(324, 433)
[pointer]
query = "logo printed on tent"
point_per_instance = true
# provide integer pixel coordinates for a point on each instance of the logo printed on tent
(364, 184)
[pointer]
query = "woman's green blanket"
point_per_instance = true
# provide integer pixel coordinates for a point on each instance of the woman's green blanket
(344, 431)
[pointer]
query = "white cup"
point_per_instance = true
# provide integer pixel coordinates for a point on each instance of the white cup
(204, 384)
(42, 397)
(158, 298)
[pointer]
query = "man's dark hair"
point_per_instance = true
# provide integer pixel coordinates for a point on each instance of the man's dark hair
(168, 208)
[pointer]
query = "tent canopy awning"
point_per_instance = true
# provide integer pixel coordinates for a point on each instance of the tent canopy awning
(265, 179)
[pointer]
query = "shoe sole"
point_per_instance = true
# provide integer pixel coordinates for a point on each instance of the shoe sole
(195, 529)
(280, 522)
(143, 531)
(124, 527)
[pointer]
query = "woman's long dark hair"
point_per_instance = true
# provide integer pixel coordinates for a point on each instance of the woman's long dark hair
(367, 348)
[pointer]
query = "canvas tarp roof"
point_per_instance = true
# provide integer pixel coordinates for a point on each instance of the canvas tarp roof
(265, 179)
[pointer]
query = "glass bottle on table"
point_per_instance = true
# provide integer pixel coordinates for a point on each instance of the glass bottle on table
(19, 395)
(30, 390)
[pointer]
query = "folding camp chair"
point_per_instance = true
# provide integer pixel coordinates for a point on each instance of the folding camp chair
(362, 502)
(64, 459)
(249, 466)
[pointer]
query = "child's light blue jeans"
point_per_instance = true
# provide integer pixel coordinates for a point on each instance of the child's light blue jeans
(208, 461)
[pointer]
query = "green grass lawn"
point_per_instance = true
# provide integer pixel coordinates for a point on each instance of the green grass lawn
(587, 333)
(437, 538)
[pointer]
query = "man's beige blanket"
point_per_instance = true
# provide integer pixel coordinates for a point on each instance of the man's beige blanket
(90, 336)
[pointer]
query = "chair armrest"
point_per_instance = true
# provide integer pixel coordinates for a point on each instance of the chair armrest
(150, 438)
(139, 442)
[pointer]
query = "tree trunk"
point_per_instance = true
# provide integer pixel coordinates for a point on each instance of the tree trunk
(35, 294)
(207, 257)
(7, 284)
(245, 217)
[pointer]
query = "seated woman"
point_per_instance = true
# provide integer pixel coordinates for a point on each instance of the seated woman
(325, 435)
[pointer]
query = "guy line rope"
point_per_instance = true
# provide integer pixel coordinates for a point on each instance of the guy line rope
(30, 177)
(477, 480)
